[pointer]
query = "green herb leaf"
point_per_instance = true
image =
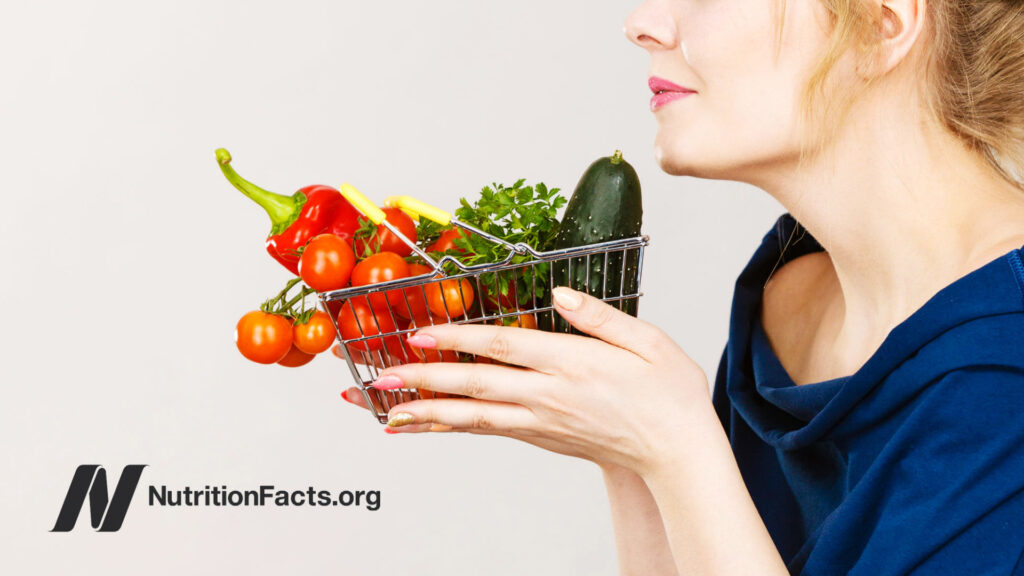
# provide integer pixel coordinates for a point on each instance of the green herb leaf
(517, 213)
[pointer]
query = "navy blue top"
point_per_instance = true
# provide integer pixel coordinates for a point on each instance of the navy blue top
(912, 465)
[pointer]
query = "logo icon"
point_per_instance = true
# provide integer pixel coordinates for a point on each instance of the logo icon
(107, 514)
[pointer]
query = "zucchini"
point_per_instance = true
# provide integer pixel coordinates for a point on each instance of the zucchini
(606, 205)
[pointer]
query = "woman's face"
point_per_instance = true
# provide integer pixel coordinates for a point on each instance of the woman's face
(743, 115)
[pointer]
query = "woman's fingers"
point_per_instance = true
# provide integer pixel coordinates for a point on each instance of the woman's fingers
(354, 396)
(601, 320)
(462, 414)
(359, 356)
(418, 428)
(482, 381)
(542, 351)
(545, 351)
(377, 358)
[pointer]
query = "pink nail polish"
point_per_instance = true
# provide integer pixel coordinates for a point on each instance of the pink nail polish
(389, 430)
(421, 341)
(344, 394)
(387, 382)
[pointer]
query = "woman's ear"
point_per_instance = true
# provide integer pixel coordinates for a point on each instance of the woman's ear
(900, 23)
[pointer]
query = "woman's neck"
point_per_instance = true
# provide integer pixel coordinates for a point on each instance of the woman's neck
(903, 209)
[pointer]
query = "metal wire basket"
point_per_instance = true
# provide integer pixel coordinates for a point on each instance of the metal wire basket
(380, 341)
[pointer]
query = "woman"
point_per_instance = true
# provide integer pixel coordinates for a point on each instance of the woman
(868, 411)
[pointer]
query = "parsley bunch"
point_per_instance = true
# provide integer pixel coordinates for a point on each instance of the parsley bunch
(517, 213)
(427, 232)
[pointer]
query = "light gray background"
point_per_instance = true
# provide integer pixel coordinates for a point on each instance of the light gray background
(127, 260)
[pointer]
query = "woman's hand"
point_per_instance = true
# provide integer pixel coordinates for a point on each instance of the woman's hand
(618, 398)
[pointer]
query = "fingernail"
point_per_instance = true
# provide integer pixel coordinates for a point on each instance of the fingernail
(387, 382)
(421, 340)
(344, 394)
(392, 431)
(566, 298)
(440, 428)
(401, 419)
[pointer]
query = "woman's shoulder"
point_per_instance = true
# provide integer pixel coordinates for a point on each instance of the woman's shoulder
(994, 342)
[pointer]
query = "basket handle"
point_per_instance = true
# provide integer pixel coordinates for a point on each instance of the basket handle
(413, 206)
(379, 217)
(362, 203)
(392, 202)
(419, 208)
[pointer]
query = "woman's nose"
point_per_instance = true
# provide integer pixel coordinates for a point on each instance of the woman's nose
(651, 26)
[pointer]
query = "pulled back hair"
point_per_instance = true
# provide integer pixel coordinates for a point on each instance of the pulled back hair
(974, 73)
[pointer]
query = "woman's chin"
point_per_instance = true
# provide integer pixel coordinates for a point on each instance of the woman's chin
(676, 162)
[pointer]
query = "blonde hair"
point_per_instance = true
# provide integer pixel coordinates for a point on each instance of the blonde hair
(974, 56)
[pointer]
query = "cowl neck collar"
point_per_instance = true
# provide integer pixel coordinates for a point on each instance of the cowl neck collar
(789, 416)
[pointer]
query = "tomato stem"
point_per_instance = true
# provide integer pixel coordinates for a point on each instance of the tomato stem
(281, 306)
(287, 287)
(305, 316)
(306, 291)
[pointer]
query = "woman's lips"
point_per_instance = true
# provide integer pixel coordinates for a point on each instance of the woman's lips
(666, 92)
(663, 98)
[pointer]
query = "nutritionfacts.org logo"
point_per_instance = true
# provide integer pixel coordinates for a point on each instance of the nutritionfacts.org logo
(266, 495)
(107, 514)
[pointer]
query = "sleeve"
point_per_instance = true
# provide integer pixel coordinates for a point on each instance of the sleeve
(948, 493)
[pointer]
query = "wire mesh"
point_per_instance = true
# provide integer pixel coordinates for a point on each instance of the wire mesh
(372, 338)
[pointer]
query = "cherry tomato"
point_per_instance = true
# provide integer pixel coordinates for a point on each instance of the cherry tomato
(356, 314)
(385, 240)
(262, 337)
(295, 358)
(315, 336)
(381, 268)
(413, 304)
(326, 263)
(521, 321)
(446, 241)
(422, 319)
(453, 296)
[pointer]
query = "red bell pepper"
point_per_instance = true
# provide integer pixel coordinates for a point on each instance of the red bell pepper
(296, 219)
